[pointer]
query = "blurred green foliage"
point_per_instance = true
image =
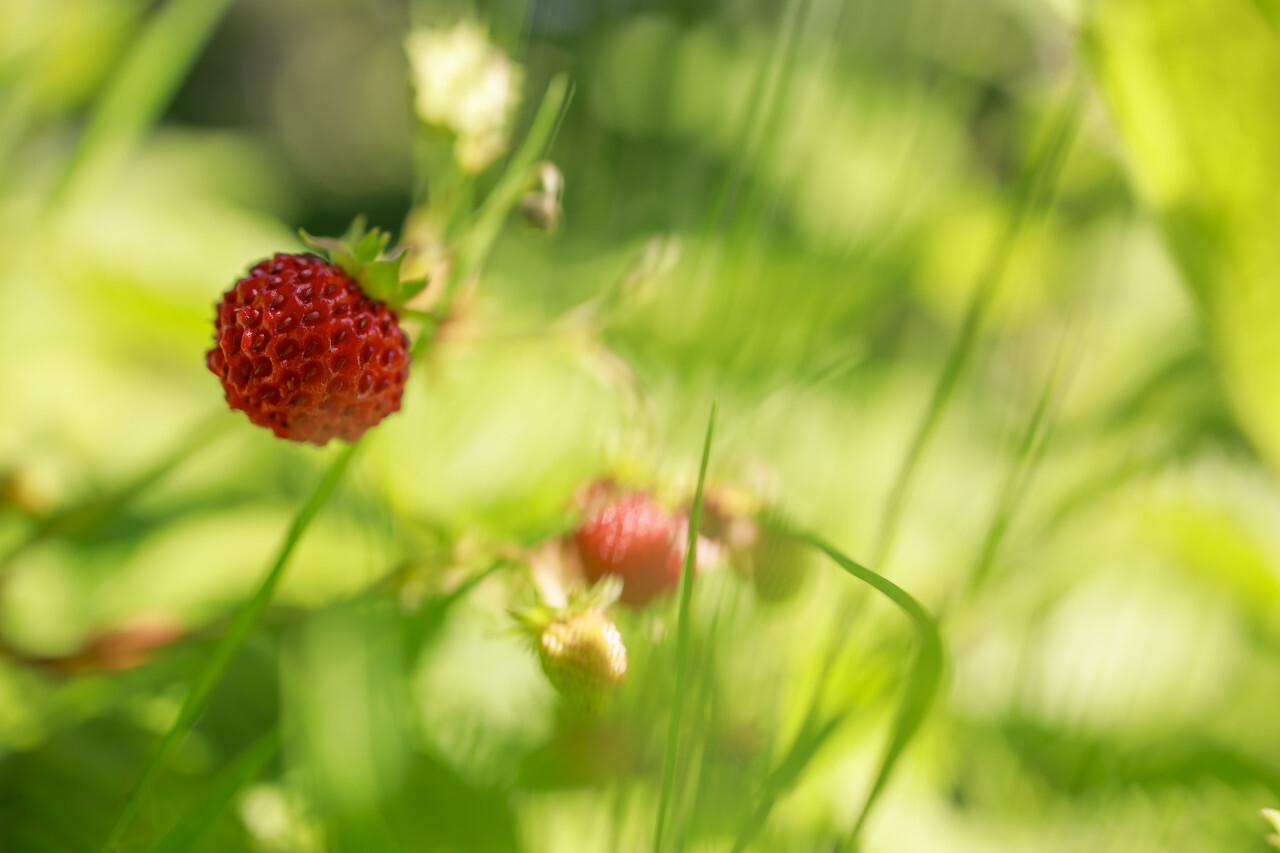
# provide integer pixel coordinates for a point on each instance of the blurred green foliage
(793, 205)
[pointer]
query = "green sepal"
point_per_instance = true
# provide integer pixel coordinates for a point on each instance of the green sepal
(534, 620)
(362, 254)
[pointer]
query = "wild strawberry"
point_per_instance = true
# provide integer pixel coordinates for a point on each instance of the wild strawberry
(584, 658)
(636, 540)
(308, 347)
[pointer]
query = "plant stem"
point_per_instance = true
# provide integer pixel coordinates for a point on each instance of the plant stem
(141, 88)
(1034, 192)
(238, 633)
(1029, 452)
(474, 245)
(83, 516)
(682, 637)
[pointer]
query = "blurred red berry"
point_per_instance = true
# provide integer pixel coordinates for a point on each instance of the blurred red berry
(636, 540)
(303, 351)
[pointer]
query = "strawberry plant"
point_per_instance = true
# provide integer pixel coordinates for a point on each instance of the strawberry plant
(820, 425)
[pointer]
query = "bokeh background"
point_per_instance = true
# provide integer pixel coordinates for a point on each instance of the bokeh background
(1022, 250)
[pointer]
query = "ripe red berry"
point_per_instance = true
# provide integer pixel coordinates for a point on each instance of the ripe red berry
(302, 350)
(636, 540)
(584, 658)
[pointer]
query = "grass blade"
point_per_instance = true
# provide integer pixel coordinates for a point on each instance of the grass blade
(1035, 191)
(682, 639)
(238, 632)
(84, 516)
(1029, 452)
(923, 680)
(244, 769)
(474, 245)
(142, 87)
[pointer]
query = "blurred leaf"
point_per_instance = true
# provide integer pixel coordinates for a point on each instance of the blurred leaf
(1191, 85)
(246, 767)
(147, 79)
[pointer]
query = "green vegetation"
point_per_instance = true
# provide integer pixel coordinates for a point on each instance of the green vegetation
(982, 299)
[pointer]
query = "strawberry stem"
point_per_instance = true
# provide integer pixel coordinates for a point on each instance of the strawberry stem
(238, 633)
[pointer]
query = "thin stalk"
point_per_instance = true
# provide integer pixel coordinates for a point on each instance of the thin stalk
(1030, 449)
(476, 243)
(1034, 194)
(85, 515)
(682, 639)
(238, 633)
(144, 84)
(763, 103)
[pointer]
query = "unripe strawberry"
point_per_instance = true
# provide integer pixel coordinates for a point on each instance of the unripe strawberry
(760, 547)
(635, 540)
(584, 658)
(776, 561)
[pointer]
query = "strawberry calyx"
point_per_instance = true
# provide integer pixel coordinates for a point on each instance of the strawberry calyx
(362, 254)
(600, 596)
(579, 647)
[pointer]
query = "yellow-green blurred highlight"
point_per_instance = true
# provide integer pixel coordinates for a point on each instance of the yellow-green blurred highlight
(785, 207)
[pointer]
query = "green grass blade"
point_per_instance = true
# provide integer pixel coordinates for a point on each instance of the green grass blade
(474, 245)
(1029, 453)
(1034, 194)
(153, 69)
(770, 86)
(222, 790)
(808, 741)
(922, 683)
(682, 639)
(238, 632)
(923, 680)
(84, 516)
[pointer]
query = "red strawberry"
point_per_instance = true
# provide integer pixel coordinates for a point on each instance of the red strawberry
(584, 658)
(308, 347)
(636, 540)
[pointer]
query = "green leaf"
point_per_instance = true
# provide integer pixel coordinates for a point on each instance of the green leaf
(362, 255)
(1191, 86)
(370, 247)
(381, 279)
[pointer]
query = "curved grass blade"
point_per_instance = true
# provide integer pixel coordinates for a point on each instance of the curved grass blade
(923, 680)
(682, 639)
(238, 632)
(154, 68)
(1035, 191)
(247, 766)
